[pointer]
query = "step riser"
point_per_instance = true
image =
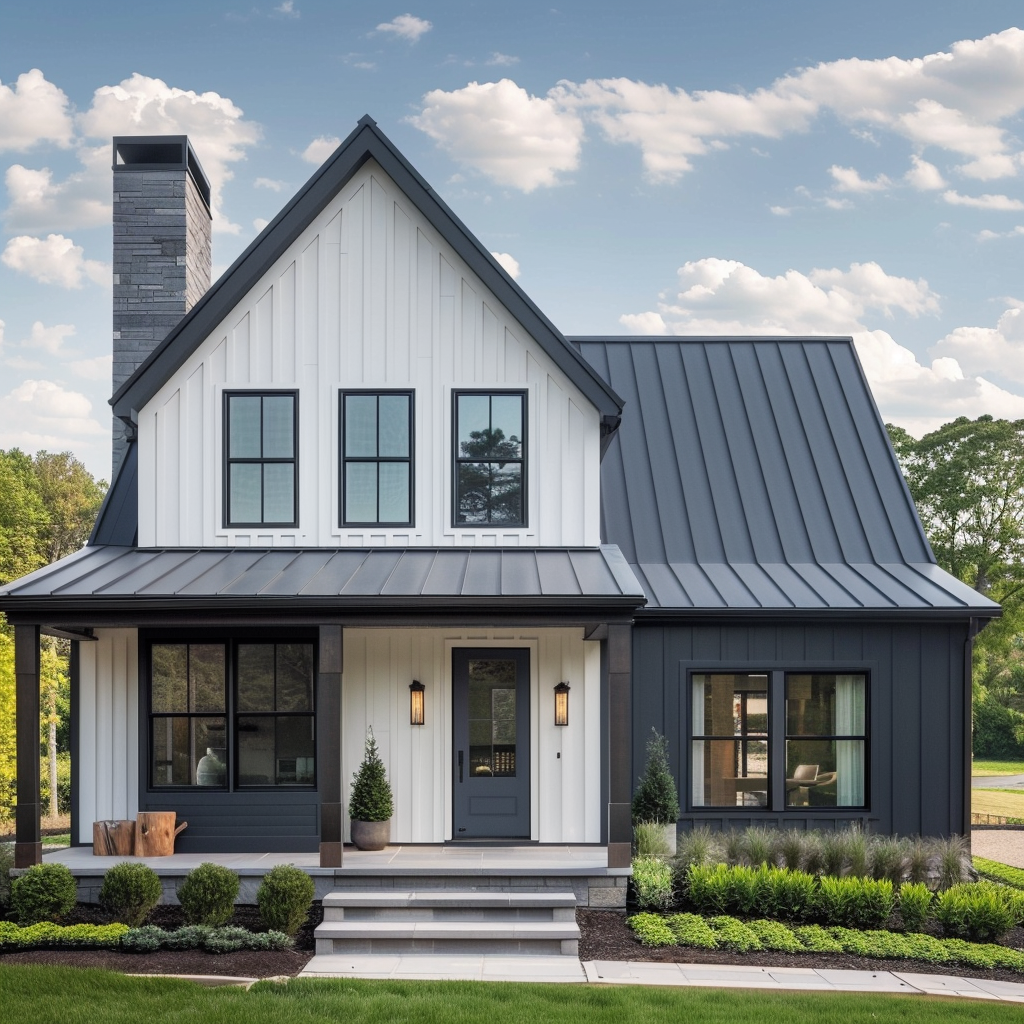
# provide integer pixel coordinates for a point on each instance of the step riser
(450, 947)
(469, 915)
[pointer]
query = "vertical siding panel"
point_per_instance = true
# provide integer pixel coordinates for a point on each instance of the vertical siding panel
(592, 740)
(263, 347)
(489, 345)
(515, 369)
(736, 645)
(353, 258)
(574, 494)
(118, 723)
(446, 359)
(239, 353)
(132, 745)
(468, 355)
(821, 644)
(399, 368)
(150, 490)
(928, 690)
(905, 771)
(195, 504)
(553, 426)
(375, 283)
(89, 667)
(548, 743)
(169, 466)
(425, 289)
(105, 737)
(286, 366)
(330, 343)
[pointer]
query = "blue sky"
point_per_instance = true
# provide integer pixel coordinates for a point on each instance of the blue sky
(738, 167)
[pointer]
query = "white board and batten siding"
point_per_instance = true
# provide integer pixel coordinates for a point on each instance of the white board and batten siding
(565, 794)
(369, 296)
(107, 765)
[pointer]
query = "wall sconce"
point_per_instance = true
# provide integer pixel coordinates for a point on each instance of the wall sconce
(416, 689)
(562, 704)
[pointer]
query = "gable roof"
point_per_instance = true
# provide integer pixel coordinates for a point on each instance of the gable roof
(756, 473)
(365, 143)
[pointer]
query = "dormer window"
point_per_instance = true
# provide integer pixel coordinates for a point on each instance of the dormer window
(489, 473)
(261, 458)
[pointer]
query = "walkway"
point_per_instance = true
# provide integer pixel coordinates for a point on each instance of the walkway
(997, 781)
(1005, 845)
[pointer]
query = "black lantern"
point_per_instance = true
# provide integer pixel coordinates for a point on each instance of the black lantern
(416, 689)
(562, 704)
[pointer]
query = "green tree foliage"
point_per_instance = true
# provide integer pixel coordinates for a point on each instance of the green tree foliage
(656, 798)
(23, 517)
(491, 490)
(370, 799)
(71, 498)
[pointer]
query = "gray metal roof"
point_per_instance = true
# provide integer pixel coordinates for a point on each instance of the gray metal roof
(118, 519)
(756, 473)
(365, 143)
(116, 576)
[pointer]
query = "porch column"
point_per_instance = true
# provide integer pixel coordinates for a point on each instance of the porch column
(328, 747)
(28, 846)
(620, 746)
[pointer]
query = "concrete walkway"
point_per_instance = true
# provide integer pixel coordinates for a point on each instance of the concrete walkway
(1005, 845)
(997, 781)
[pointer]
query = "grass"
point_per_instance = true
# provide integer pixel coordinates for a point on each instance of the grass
(37, 995)
(1004, 873)
(981, 768)
(57, 842)
(996, 801)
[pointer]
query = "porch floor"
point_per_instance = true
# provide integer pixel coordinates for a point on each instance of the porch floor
(426, 860)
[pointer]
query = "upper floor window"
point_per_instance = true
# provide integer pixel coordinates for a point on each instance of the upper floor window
(489, 470)
(261, 458)
(376, 458)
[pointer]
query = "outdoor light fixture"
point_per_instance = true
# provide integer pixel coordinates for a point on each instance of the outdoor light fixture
(416, 689)
(562, 704)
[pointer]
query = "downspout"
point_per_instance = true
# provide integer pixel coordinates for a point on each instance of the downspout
(974, 627)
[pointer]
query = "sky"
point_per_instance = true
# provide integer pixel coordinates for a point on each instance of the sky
(737, 167)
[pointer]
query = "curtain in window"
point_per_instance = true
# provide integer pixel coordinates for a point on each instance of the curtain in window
(697, 756)
(850, 753)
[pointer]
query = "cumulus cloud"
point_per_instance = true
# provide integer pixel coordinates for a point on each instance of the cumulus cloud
(406, 26)
(274, 186)
(287, 9)
(54, 260)
(988, 236)
(924, 176)
(97, 368)
(42, 414)
(848, 179)
(998, 349)
(320, 149)
(33, 111)
(501, 130)
(509, 263)
(501, 60)
(37, 203)
(955, 102)
(717, 296)
(985, 202)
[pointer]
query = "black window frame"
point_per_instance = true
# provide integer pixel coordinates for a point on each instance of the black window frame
(523, 459)
(777, 737)
(231, 712)
(344, 459)
(228, 461)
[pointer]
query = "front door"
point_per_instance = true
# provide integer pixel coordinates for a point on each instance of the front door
(491, 698)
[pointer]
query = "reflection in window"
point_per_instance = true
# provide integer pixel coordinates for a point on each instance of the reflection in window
(376, 474)
(490, 458)
(492, 718)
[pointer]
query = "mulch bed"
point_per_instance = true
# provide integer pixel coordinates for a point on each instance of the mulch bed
(604, 936)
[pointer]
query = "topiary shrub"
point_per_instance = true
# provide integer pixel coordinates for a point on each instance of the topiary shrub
(284, 898)
(979, 911)
(46, 892)
(656, 798)
(208, 894)
(130, 892)
(915, 905)
(370, 799)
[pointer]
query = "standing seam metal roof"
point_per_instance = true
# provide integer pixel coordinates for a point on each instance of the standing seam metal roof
(756, 473)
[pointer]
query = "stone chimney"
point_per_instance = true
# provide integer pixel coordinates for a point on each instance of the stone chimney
(161, 248)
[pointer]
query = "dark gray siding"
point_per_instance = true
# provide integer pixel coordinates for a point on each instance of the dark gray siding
(916, 711)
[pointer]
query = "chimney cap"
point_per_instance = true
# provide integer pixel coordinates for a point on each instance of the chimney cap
(160, 153)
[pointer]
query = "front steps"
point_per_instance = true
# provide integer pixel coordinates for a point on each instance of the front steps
(449, 922)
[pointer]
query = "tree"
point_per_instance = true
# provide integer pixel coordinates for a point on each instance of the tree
(23, 517)
(71, 497)
(491, 489)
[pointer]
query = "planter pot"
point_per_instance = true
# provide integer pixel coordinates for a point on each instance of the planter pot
(670, 838)
(371, 835)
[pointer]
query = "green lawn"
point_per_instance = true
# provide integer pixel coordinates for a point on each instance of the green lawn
(980, 768)
(38, 995)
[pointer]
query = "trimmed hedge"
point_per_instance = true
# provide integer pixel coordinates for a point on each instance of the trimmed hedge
(150, 938)
(47, 935)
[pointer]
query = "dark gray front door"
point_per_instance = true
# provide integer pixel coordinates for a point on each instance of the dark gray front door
(491, 691)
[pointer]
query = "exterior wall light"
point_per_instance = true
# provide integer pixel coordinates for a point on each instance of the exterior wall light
(562, 704)
(416, 689)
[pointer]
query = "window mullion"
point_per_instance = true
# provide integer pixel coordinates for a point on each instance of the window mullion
(777, 740)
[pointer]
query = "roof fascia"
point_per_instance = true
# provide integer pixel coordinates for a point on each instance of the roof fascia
(366, 142)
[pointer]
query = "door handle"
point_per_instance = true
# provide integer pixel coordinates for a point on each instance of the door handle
(460, 766)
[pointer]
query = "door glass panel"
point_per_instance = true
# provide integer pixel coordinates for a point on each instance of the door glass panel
(492, 718)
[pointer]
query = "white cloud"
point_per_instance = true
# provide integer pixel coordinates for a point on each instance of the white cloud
(48, 339)
(837, 204)
(988, 236)
(848, 179)
(509, 263)
(39, 204)
(501, 130)
(924, 176)
(998, 349)
(54, 260)
(287, 8)
(274, 186)
(260, 223)
(985, 202)
(34, 111)
(781, 211)
(97, 368)
(42, 414)
(320, 149)
(501, 60)
(406, 26)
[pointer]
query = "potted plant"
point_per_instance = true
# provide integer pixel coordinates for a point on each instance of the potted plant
(370, 804)
(656, 798)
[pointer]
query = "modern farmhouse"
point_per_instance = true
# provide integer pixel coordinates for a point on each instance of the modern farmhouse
(362, 481)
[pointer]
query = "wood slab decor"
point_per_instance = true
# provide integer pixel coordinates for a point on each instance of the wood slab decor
(113, 838)
(155, 833)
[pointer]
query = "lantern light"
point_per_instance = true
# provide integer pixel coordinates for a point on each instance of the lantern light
(562, 704)
(416, 689)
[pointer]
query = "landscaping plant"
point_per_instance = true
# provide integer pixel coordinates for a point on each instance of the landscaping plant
(284, 898)
(652, 883)
(915, 905)
(370, 798)
(6, 863)
(46, 892)
(952, 856)
(207, 895)
(979, 911)
(855, 902)
(656, 798)
(649, 839)
(130, 892)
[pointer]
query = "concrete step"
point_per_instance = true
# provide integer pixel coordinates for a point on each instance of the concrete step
(448, 898)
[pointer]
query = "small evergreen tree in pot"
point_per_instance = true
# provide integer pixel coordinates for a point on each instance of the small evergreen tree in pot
(369, 804)
(656, 798)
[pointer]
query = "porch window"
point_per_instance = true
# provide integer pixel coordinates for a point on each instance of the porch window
(261, 458)
(755, 735)
(259, 731)
(489, 471)
(376, 461)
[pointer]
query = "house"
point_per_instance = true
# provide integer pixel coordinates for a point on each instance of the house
(362, 481)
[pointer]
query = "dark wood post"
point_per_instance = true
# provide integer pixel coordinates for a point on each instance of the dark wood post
(328, 747)
(28, 846)
(620, 744)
